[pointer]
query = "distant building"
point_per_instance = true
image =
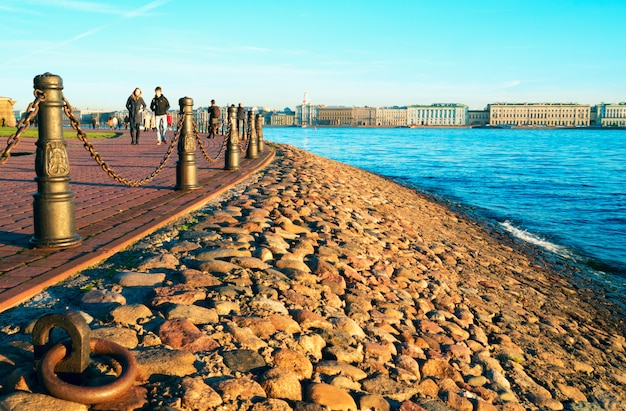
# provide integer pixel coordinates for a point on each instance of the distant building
(391, 117)
(281, 119)
(7, 118)
(364, 116)
(306, 113)
(477, 117)
(437, 115)
(334, 116)
(540, 114)
(611, 115)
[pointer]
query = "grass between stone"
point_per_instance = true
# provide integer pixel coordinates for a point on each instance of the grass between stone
(33, 133)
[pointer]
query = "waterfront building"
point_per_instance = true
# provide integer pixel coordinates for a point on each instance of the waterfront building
(281, 119)
(477, 117)
(334, 116)
(539, 114)
(306, 113)
(437, 115)
(364, 116)
(611, 115)
(391, 117)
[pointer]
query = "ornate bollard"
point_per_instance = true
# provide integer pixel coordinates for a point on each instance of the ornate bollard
(231, 162)
(259, 132)
(53, 204)
(186, 168)
(253, 151)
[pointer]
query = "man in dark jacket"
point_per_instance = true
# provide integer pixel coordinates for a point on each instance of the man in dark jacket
(214, 119)
(241, 121)
(159, 106)
(135, 106)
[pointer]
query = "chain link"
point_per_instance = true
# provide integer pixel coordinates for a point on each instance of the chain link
(82, 136)
(242, 143)
(22, 126)
(202, 149)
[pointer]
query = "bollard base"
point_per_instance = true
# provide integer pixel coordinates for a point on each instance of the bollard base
(72, 241)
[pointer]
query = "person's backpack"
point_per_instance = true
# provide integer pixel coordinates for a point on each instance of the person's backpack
(216, 112)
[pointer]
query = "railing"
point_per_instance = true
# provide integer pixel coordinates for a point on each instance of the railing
(53, 206)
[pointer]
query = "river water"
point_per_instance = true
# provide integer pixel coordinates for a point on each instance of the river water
(561, 190)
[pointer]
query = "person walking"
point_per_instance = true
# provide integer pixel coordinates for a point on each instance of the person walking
(241, 121)
(135, 106)
(214, 119)
(160, 105)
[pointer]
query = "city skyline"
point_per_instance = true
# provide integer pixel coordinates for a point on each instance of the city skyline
(341, 53)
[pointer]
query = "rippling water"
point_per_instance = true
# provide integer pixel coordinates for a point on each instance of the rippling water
(561, 190)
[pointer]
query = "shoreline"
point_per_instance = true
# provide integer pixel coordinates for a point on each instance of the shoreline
(316, 282)
(582, 275)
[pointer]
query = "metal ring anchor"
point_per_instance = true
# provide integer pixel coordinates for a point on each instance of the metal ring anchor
(88, 395)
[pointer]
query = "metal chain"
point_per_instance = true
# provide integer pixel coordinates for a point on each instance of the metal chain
(22, 126)
(202, 149)
(249, 132)
(243, 143)
(82, 136)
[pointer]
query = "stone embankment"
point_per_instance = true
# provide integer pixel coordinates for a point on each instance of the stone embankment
(318, 286)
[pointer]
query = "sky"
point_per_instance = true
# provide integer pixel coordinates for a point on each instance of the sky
(340, 52)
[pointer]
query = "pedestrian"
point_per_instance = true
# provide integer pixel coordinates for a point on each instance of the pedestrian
(241, 121)
(114, 123)
(214, 119)
(169, 121)
(135, 106)
(126, 122)
(110, 122)
(93, 122)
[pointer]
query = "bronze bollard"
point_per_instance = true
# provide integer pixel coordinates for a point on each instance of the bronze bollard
(231, 162)
(253, 151)
(186, 168)
(259, 133)
(53, 204)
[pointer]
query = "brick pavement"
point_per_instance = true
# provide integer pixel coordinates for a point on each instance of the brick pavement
(109, 215)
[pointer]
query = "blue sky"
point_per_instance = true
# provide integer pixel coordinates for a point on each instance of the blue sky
(341, 52)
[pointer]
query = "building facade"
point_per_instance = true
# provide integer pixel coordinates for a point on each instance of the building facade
(306, 113)
(334, 116)
(364, 116)
(611, 115)
(437, 115)
(477, 117)
(539, 114)
(281, 119)
(391, 117)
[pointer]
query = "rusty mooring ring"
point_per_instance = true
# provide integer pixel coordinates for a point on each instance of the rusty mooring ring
(88, 395)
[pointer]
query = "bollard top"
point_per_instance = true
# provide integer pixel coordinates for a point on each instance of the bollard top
(185, 101)
(232, 111)
(48, 81)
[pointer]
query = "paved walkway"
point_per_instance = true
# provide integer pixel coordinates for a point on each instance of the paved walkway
(109, 215)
